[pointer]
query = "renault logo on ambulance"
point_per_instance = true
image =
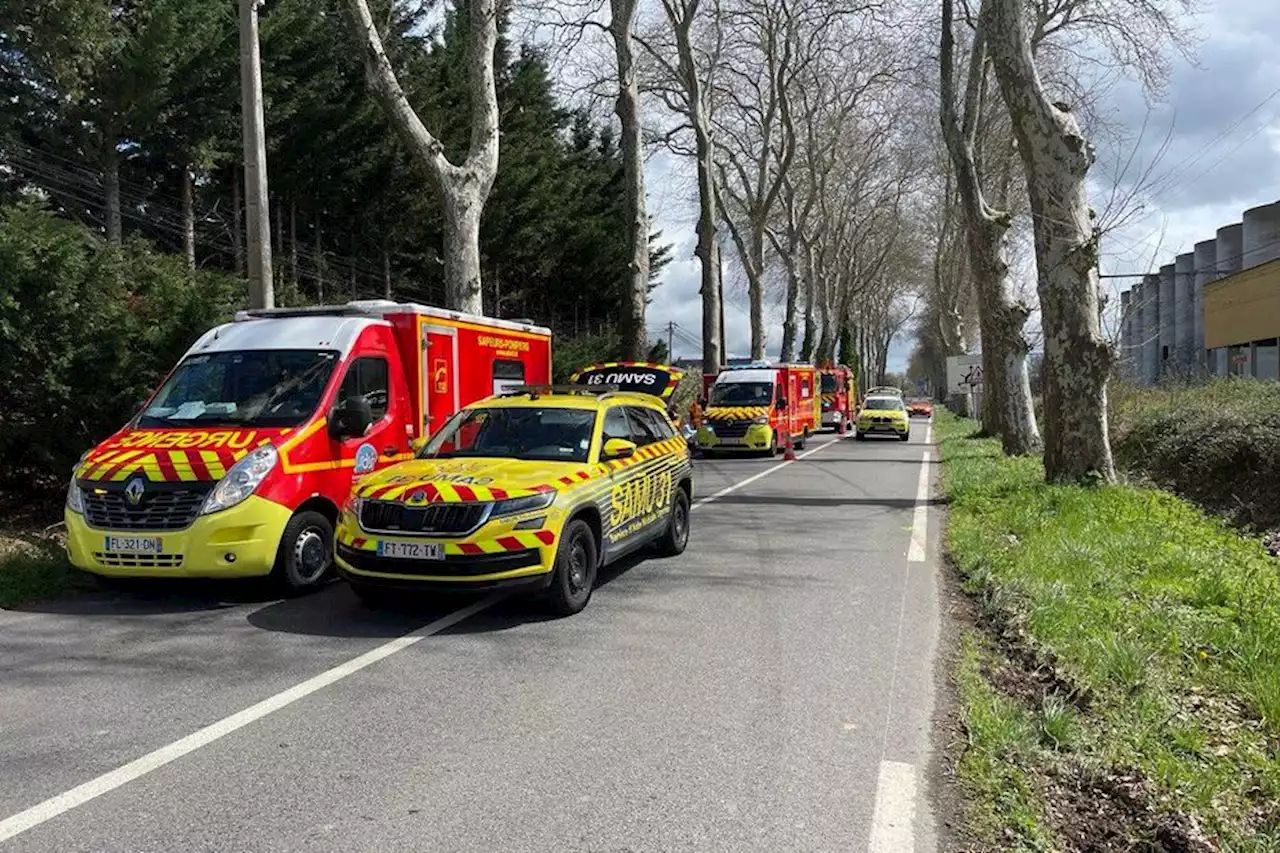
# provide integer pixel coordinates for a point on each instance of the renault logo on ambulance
(133, 491)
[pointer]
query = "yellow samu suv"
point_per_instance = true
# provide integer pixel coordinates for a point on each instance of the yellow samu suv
(535, 489)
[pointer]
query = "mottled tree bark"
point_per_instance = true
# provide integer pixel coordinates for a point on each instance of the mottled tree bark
(188, 216)
(1057, 157)
(627, 108)
(1007, 411)
(464, 188)
(111, 191)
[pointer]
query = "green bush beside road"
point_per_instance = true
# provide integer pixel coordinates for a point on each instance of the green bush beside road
(1216, 443)
(1125, 674)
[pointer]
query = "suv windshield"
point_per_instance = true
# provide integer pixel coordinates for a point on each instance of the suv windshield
(742, 394)
(883, 403)
(828, 383)
(543, 433)
(263, 388)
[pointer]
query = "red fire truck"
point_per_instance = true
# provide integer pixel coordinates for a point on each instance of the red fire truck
(760, 407)
(237, 465)
(839, 397)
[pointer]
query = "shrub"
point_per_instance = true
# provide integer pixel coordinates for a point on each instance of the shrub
(87, 330)
(1216, 443)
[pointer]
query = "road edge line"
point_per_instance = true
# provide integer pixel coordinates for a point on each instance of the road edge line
(766, 472)
(893, 818)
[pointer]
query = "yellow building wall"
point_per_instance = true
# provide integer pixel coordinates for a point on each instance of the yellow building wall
(1243, 307)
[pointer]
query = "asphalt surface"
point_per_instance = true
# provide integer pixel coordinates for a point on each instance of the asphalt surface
(743, 696)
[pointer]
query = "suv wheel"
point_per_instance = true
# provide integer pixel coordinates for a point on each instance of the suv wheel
(676, 536)
(575, 570)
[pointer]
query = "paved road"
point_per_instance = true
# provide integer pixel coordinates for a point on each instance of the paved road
(771, 690)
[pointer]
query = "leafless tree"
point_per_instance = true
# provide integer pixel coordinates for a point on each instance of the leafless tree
(464, 188)
(1056, 158)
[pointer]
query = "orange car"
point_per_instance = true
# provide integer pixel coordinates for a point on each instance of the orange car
(920, 408)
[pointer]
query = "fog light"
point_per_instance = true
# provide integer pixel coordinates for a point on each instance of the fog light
(229, 557)
(531, 523)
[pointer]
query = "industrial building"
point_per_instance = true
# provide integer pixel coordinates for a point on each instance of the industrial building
(1214, 311)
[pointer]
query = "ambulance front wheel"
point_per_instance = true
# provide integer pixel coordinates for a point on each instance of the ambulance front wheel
(305, 558)
(574, 575)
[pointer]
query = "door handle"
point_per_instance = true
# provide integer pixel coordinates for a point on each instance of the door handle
(389, 450)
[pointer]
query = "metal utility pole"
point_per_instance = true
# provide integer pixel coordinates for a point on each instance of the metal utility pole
(258, 219)
(671, 337)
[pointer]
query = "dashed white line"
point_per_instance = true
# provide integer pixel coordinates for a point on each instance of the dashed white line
(81, 794)
(893, 820)
(766, 472)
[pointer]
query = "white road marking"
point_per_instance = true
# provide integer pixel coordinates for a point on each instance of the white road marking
(109, 781)
(766, 472)
(920, 520)
(928, 433)
(892, 821)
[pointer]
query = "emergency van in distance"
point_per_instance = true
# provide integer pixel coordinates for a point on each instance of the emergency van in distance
(239, 463)
(839, 397)
(760, 407)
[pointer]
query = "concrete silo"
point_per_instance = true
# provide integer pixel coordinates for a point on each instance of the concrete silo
(1206, 252)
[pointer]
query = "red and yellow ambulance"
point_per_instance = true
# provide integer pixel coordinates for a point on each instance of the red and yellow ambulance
(760, 407)
(839, 397)
(238, 464)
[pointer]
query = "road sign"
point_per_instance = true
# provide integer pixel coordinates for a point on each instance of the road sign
(964, 372)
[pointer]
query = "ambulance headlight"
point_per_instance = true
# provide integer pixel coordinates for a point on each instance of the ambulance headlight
(75, 499)
(242, 480)
(760, 420)
(511, 506)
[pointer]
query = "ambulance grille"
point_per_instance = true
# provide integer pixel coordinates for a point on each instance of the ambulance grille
(162, 506)
(732, 429)
(436, 519)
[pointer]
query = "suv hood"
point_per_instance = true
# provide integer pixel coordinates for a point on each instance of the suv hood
(471, 479)
(172, 455)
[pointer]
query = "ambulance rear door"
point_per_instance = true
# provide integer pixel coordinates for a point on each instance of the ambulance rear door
(440, 396)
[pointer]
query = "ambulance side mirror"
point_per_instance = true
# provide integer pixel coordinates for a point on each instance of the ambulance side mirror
(781, 404)
(351, 418)
(618, 448)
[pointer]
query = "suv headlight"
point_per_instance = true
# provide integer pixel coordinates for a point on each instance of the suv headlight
(511, 506)
(242, 480)
(75, 498)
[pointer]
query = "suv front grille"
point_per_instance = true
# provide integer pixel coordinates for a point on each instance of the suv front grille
(162, 506)
(138, 561)
(437, 519)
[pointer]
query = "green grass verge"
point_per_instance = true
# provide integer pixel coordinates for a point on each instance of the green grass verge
(32, 568)
(1164, 619)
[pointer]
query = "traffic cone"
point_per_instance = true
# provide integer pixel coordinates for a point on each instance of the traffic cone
(789, 452)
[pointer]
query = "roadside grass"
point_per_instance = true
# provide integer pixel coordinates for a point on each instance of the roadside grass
(34, 568)
(1147, 636)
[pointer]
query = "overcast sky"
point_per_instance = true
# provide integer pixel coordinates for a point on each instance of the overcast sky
(1221, 117)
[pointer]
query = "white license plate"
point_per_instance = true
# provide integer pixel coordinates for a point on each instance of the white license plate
(411, 550)
(134, 544)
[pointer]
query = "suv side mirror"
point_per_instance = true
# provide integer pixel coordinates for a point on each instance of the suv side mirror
(618, 448)
(351, 419)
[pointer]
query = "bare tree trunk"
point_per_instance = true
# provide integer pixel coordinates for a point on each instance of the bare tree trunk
(1007, 411)
(810, 330)
(111, 191)
(237, 221)
(277, 250)
(627, 108)
(188, 217)
(1057, 157)
(755, 292)
(464, 189)
(708, 253)
(793, 297)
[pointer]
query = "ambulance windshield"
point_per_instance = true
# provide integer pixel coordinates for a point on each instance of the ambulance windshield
(828, 383)
(541, 433)
(263, 388)
(741, 394)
